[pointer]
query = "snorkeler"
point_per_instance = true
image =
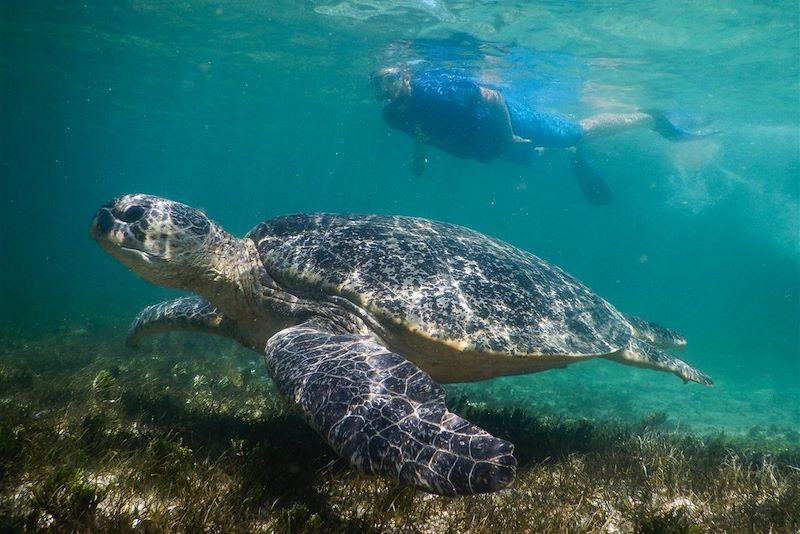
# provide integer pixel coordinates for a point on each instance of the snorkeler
(452, 111)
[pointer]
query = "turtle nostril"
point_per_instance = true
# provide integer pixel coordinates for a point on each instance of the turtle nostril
(132, 214)
(103, 222)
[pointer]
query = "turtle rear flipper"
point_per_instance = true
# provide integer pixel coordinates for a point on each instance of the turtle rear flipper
(187, 314)
(641, 354)
(383, 414)
(655, 334)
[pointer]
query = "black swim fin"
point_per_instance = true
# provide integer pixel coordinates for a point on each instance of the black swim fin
(419, 158)
(675, 126)
(591, 184)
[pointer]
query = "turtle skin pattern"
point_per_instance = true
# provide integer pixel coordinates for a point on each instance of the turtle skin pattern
(383, 414)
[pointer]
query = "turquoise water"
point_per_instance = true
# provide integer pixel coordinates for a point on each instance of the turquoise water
(254, 109)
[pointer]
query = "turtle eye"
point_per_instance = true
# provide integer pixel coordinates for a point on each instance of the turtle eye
(132, 214)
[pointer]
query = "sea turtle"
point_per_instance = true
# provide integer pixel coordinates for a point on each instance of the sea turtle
(361, 316)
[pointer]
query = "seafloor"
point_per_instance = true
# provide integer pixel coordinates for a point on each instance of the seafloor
(187, 434)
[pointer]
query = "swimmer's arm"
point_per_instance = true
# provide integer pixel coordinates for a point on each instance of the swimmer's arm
(495, 102)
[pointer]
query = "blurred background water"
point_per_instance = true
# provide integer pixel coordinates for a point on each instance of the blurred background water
(254, 109)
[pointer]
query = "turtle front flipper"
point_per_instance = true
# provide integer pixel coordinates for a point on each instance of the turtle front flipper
(655, 334)
(383, 414)
(641, 354)
(188, 314)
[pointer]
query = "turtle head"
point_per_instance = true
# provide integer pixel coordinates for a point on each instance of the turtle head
(165, 242)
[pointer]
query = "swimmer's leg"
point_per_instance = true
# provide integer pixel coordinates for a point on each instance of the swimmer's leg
(607, 124)
(667, 124)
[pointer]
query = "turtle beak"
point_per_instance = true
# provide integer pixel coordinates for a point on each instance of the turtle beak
(107, 229)
(115, 237)
(102, 223)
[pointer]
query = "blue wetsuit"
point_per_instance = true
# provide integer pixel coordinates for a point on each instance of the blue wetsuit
(445, 109)
(546, 130)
